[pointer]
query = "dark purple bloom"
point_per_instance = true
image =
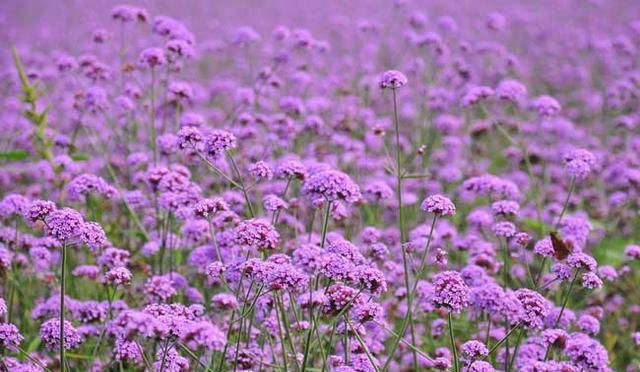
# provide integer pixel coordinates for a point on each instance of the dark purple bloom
(450, 291)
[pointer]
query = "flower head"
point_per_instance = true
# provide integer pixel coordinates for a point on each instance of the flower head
(392, 79)
(450, 291)
(439, 205)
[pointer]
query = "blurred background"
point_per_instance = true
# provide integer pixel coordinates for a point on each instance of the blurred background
(47, 20)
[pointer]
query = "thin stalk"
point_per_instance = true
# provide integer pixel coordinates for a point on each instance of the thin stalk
(515, 350)
(62, 279)
(412, 347)
(242, 187)
(226, 345)
(497, 345)
(363, 345)
(564, 305)
(287, 330)
(409, 316)
(488, 334)
(566, 203)
(282, 344)
(505, 269)
(325, 226)
(405, 322)
(454, 349)
(152, 118)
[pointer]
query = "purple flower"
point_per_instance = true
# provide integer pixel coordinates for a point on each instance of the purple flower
(206, 208)
(273, 203)
(331, 185)
(505, 208)
(113, 257)
(587, 353)
(377, 191)
(152, 57)
(546, 106)
(257, 233)
(581, 261)
(504, 229)
(38, 210)
(371, 279)
(64, 224)
(472, 350)
(159, 289)
(118, 276)
(562, 271)
(633, 251)
(189, 137)
(555, 337)
(93, 237)
(511, 90)
(486, 297)
(224, 301)
(218, 142)
(591, 280)
(87, 271)
(129, 13)
(588, 324)
(203, 335)
(480, 366)
(439, 205)
(127, 351)
(535, 307)
(50, 335)
(10, 337)
(608, 273)
(544, 248)
(170, 361)
(450, 291)
(260, 170)
(337, 297)
(215, 270)
(392, 79)
(13, 204)
(476, 94)
(285, 277)
(291, 169)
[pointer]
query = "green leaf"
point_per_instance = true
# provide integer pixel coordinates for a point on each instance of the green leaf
(534, 225)
(610, 251)
(16, 155)
(33, 345)
(80, 157)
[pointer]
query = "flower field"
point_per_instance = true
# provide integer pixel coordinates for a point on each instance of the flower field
(335, 186)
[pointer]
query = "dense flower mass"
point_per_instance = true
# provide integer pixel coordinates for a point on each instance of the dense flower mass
(331, 185)
(450, 291)
(359, 186)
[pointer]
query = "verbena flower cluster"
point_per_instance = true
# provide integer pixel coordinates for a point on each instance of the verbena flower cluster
(340, 186)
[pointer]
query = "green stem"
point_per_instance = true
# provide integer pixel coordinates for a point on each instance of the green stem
(152, 118)
(564, 305)
(363, 345)
(515, 350)
(405, 263)
(453, 345)
(312, 326)
(62, 279)
(566, 203)
(497, 345)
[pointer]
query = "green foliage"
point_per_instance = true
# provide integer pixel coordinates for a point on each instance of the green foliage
(11, 156)
(30, 95)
